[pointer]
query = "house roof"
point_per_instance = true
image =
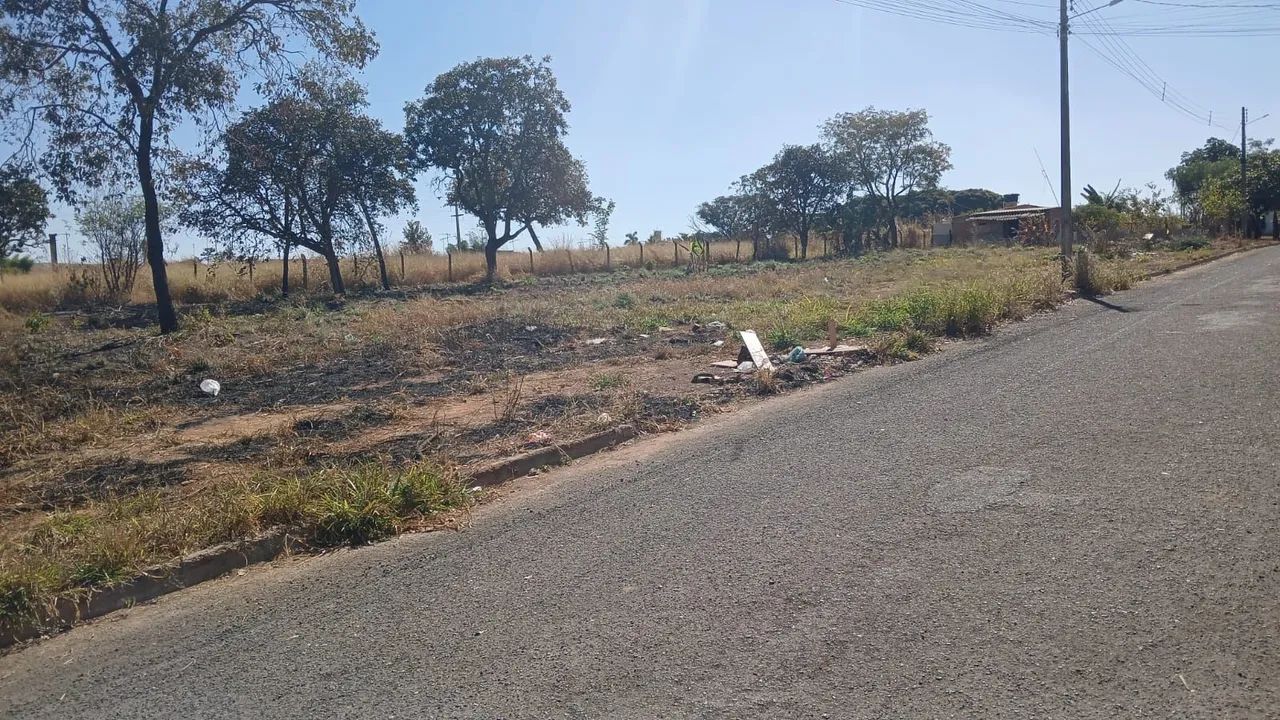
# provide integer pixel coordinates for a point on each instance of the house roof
(1016, 212)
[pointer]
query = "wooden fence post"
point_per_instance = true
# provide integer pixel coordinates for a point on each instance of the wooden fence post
(641, 254)
(195, 267)
(569, 252)
(676, 246)
(607, 264)
(446, 252)
(402, 266)
(304, 273)
(530, 261)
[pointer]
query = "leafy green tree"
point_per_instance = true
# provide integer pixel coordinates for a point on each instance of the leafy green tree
(738, 216)
(417, 239)
(308, 169)
(496, 128)
(632, 238)
(888, 154)
(24, 210)
(1114, 200)
(926, 203)
(108, 80)
(603, 211)
(799, 187)
(1220, 201)
(972, 200)
(1216, 158)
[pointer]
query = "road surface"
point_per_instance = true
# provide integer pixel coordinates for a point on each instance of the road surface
(1075, 518)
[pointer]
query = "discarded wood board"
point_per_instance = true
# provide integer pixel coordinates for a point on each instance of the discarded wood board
(837, 350)
(758, 356)
(725, 364)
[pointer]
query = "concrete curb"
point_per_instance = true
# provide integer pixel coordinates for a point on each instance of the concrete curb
(519, 465)
(219, 560)
(153, 582)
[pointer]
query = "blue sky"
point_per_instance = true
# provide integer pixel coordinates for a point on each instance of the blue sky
(675, 99)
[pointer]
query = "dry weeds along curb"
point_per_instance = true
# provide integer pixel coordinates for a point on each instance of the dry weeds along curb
(153, 582)
(219, 560)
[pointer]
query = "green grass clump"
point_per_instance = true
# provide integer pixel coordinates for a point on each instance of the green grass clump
(608, 381)
(70, 553)
(782, 339)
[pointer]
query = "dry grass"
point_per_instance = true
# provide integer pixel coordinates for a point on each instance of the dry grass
(69, 553)
(61, 393)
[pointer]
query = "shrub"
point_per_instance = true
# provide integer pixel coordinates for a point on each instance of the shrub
(36, 322)
(782, 339)
(19, 264)
(1192, 242)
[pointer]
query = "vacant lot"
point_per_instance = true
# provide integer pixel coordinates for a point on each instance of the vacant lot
(356, 419)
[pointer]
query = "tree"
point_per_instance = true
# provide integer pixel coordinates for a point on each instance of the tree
(734, 217)
(24, 209)
(972, 200)
(309, 170)
(1220, 202)
(1114, 200)
(116, 228)
(1216, 158)
(632, 238)
(113, 79)
(417, 240)
(800, 186)
(377, 168)
(603, 211)
(888, 154)
(495, 126)
(927, 203)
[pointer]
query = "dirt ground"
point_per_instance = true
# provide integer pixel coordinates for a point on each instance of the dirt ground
(492, 389)
(94, 405)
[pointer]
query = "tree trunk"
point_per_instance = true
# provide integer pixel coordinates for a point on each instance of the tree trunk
(491, 250)
(284, 272)
(377, 250)
(534, 236)
(893, 226)
(804, 243)
(335, 272)
(165, 313)
(490, 261)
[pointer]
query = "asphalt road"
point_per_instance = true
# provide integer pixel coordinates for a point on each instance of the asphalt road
(1076, 518)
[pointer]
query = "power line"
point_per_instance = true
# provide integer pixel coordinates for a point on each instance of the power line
(960, 14)
(1123, 57)
(1211, 6)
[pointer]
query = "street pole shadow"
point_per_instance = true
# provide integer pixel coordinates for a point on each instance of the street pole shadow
(1105, 304)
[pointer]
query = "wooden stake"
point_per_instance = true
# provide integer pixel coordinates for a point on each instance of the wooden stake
(530, 261)
(607, 265)
(450, 255)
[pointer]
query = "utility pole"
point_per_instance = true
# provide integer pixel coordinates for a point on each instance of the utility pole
(457, 227)
(53, 249)
(1065, 226)
(1244, 176)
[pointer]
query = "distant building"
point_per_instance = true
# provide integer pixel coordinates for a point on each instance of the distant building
(1014, 223)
